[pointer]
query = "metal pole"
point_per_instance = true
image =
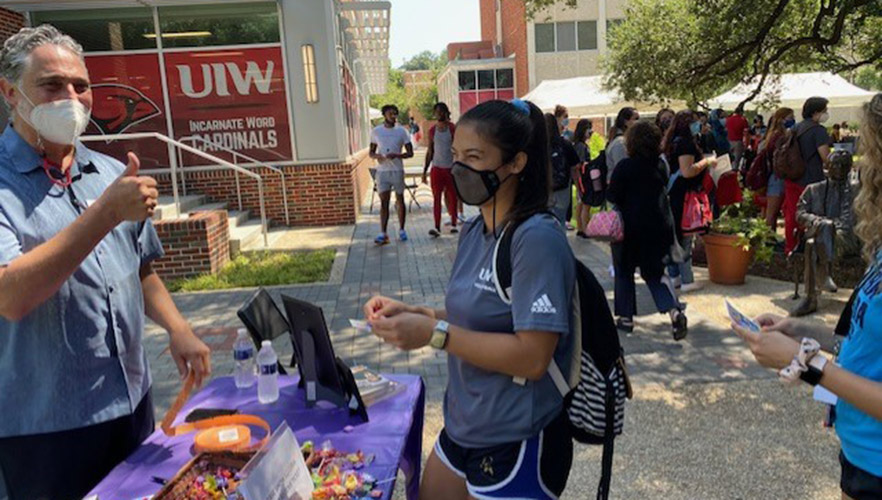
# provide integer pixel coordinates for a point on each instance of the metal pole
(262, 213)
(238, 190)
(174, 177)
(285, 199)
(181, 163)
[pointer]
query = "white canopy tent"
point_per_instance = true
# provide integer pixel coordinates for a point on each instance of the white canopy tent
(792, 89)
(584, 96)
(375, 114)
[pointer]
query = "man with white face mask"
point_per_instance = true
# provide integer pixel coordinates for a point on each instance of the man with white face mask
(76, 246)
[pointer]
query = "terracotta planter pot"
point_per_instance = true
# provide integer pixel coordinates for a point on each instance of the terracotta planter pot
(726, 263)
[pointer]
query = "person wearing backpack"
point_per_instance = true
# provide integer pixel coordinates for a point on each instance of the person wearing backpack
(583, 140)
(505, 433)
(564, 161)
(814, 148)
(638, 190)
(762, 175)
(793, 346)
(615, 148)
(689, 169)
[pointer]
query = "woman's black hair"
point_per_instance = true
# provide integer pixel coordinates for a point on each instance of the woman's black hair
(622, 118)
(679, 129)
(510, 128)
(551, 127)
(582, 129)
(441, 106)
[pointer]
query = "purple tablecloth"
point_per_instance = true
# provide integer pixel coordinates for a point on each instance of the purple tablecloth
(393, 435)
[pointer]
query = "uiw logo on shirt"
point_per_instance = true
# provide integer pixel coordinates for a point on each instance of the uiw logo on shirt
(543, 305)
(484, 281)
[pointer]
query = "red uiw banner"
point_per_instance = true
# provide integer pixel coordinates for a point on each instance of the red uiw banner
(127, 98)
(235, 98)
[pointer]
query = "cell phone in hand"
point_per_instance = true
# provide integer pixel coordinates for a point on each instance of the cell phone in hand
(741, 319)
(206, 413)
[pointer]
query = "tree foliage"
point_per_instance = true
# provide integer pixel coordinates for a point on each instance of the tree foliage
(695, 49)
(426, 60)
(422, 98)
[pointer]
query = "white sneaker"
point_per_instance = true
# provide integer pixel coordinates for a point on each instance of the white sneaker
(612, 271)
(691, 287)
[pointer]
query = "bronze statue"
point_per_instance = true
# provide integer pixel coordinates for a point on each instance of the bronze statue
(826, 214)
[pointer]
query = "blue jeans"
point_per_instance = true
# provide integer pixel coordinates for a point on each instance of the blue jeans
(626, 289)
(683, 270)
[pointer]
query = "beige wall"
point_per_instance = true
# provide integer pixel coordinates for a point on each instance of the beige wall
(557, 65)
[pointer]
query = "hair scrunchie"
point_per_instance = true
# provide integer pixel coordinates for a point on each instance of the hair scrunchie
(521, 105)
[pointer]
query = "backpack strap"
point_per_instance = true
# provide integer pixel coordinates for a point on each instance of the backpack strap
(502, 271)
(608, 444)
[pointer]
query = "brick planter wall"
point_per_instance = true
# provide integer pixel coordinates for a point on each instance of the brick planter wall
(196, 245)
(318, 195)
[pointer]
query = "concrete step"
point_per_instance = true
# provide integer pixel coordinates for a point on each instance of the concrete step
(237, 217)
(246, 236)
(166, 209)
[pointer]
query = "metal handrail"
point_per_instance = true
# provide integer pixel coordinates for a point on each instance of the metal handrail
(174, 167)
(251, 160)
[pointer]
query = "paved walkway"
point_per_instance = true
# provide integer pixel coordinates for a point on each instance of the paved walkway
(706, 422)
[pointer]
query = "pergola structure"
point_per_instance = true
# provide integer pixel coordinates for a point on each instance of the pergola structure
(366, 29)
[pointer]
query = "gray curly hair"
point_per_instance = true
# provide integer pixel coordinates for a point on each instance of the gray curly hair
(18, 48)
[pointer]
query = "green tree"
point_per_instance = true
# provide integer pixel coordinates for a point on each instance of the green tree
(708, 46)
(869, 78)
(395, 94)
(426, 60)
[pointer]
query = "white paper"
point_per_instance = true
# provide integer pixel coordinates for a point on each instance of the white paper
(724, 164)
(824, 396)
(360, 325)
(278, 472)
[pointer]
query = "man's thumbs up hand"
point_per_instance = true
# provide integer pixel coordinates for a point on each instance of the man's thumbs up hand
(131, 197)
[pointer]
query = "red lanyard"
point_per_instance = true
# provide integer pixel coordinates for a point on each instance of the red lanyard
(53, 171)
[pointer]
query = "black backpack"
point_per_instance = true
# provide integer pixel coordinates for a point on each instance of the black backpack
(592, 181)
(595, 389)
(560, 173)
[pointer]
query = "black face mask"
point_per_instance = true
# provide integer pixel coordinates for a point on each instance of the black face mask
(475, 187)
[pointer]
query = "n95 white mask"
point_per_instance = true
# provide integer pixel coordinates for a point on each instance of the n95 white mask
(60, 122)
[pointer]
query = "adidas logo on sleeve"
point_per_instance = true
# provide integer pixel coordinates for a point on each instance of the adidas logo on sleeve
(543, 305)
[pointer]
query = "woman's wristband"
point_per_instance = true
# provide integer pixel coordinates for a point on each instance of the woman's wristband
(808, 351)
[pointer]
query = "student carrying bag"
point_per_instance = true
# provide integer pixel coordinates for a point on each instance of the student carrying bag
(595, 388)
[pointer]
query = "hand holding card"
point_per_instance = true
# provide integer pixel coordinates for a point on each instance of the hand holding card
(741, 319)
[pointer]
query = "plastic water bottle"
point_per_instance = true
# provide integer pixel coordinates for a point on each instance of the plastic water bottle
(268, 377)
(243, 354)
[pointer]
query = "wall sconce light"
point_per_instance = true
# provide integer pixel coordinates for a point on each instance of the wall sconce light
(309, 78)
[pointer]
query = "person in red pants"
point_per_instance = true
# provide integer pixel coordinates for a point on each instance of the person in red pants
(440, 157)
(814, 147)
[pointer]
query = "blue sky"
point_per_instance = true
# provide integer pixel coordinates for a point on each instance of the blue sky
(419, 25)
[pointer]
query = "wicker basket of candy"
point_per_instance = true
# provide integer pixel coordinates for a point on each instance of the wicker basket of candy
(208, 476)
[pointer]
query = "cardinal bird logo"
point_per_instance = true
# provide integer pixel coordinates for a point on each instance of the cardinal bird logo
(118, 107)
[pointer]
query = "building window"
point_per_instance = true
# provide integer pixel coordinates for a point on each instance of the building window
(544, 37)
(309, 79)
(587, 35)
(486, 79)
(504, 78)
(219, 24)
(566, 36)
(99, 30)
(467, 80)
